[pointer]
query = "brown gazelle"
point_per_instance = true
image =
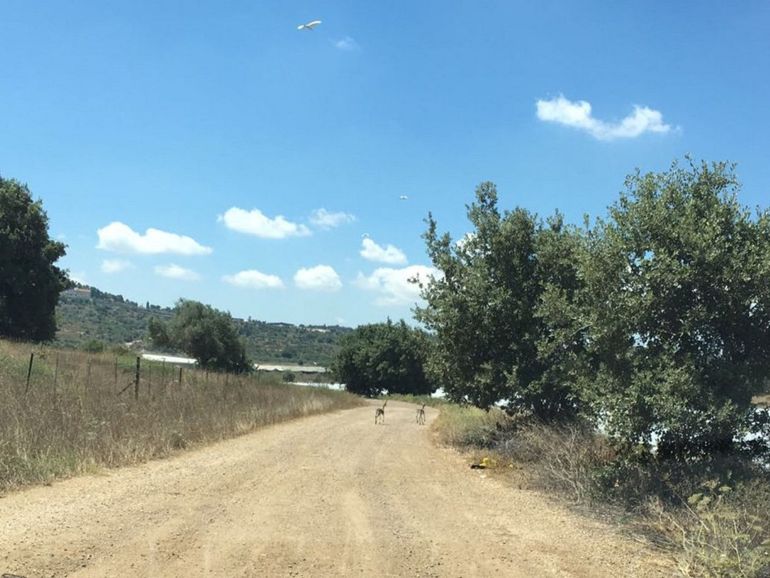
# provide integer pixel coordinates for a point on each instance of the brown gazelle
(379, 414)
(421, 415)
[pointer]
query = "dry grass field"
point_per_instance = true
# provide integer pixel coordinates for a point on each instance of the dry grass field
(78, 412)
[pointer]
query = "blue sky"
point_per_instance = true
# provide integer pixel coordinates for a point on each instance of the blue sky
(204, 122)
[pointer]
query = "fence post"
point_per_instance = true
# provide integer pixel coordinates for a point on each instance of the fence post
(29, 371)
(180, 376)
(88, 374)
(116, 370)
(136, 377)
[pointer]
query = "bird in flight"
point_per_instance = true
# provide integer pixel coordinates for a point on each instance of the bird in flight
(309, 25)
(403, 197)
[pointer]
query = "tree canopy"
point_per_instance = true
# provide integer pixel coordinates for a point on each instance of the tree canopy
(677, 302)
(30, 282)
(208, 335)
(653, 323)
(384, 357)
(484, 307)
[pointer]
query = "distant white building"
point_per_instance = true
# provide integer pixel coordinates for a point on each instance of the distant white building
(172, 359)
(291, 368)
(78, 293)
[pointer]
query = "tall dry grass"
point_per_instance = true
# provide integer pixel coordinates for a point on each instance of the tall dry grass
(469, 427)
(79, 411)
(713, 517)
(720, 531)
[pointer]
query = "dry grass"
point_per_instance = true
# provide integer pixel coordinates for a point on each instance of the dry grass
(719, 532)
(561, 459)
(763, 400)
(714, 519)
(468, 426)
(73, 417)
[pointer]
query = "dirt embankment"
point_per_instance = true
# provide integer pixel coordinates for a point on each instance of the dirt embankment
(323, 496)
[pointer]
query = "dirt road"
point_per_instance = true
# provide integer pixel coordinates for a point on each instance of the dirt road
(328, 495)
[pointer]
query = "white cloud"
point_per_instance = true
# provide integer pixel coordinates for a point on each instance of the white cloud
(78, 277)
(115, 265)
(347, 43)
(578, 115)
(324, 219)
(252, 279)
(318, 278)
(121, 238)
(176, 272)
(464, 240)
(256, 223)
(391, 255)
(394, 286)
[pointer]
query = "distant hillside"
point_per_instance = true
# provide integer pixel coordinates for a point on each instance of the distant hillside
(85, 314)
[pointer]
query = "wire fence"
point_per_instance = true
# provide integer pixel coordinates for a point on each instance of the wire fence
(63, 411)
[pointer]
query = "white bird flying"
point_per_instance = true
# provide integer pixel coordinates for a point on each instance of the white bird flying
(309, 25)
(403, 197)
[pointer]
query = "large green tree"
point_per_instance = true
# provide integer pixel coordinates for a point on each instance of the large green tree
(208, 335)
(492, 342)
(30, 282)
(384, 357)
(676, 304)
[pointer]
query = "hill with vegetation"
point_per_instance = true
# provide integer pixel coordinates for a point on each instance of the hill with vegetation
(90, 318)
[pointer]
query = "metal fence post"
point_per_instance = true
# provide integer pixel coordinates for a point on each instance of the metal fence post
(29, 371)
(136, 377)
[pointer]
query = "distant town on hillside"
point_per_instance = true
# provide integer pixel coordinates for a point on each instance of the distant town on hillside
(85, 315)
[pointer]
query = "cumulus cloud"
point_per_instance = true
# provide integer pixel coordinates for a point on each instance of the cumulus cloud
(253, 279)
(318, 278)
(394, 286)
(121, 238)
(256, 223)
(115, 265)
(578, 115)
(390, 254)
(347, 43)
(176, 272)
(78, 277)
(464, 240)
(324, 219)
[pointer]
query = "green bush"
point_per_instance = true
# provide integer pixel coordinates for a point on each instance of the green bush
(93, 346)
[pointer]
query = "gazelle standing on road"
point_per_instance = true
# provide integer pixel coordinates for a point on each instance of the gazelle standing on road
(421, 415)
(379, 414)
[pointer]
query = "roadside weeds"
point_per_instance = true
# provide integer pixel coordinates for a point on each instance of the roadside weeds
(713, 520)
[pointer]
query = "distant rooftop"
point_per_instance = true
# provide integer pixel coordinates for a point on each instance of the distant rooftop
(169, 359)
(292, 368)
